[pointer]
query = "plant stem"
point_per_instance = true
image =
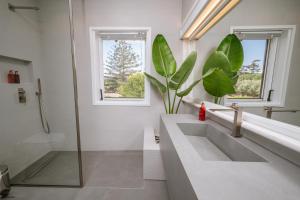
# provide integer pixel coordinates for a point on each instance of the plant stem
(163, 98)
(216, 100)
(169, 100)
(178, 104)
(174, 100)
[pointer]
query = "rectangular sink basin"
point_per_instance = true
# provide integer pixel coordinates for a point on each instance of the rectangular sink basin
(214, 145)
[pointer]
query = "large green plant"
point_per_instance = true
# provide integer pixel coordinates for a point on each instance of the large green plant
(225, 62)
(165, 65)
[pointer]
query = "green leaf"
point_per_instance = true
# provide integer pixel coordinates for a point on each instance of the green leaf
(161, 88)
(231, 46)
(184, 71)
(209, 72)
(218, 83)
(234, 77)
(162, 57)
(188, 90)
(217, 60)
(172, 85)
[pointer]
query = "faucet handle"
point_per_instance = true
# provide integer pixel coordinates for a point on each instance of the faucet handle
(268, 108)
(235, 106)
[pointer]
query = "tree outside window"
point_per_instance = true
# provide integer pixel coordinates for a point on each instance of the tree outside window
(123, 66)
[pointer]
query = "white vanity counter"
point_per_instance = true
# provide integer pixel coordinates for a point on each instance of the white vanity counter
(191, 175)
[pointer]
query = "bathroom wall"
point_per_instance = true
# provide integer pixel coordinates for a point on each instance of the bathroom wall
(120, 127)
(258, 12)
(186, 7)
(22, 140)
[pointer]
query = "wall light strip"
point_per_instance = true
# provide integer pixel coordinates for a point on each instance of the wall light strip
(219, 16)
(209, 8)
(212, 12)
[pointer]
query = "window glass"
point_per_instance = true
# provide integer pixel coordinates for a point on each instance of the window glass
(123, 65)
(251, 76)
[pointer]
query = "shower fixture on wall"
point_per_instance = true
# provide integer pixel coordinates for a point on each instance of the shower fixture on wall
(44, 121)
(13, 8)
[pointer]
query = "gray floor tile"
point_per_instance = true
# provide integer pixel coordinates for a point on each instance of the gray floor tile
(62, 169)
(42, 193)
(152, 190)
(114, 169)
(109, 176)
(91, 193)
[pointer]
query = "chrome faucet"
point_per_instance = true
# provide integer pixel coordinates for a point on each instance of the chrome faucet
(269, 110)
(237, 121)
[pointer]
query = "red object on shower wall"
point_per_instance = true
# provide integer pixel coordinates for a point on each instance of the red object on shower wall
(11, 77)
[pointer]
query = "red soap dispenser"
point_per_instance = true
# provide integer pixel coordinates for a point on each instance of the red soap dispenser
(202, 112)
(11, 77)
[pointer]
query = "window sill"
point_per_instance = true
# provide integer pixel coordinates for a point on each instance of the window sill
(122, 103)
(251, 103)
(227, 102)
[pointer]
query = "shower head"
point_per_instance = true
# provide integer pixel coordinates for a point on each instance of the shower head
(13, 8)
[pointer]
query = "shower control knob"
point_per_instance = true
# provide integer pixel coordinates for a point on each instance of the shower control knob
(22, 95)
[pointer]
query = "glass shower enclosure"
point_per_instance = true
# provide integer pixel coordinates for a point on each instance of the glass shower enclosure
(39, 131)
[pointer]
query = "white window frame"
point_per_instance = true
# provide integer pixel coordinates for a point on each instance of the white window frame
(188, 46)
(97, 73)
(279, 55)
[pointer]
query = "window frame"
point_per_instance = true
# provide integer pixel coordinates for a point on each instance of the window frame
(98, 72)
(280, 52)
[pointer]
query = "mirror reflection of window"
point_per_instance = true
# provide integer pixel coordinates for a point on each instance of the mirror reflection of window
(262, 78)
(250, 82)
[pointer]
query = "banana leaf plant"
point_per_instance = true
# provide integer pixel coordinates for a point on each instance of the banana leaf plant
(165, 65)
(225, 61)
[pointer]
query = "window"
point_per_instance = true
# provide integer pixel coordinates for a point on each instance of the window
(250, 82)
(263, 77)
(119, 58)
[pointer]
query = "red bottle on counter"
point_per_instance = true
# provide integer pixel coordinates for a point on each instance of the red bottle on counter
(10, 77)
(202, 112)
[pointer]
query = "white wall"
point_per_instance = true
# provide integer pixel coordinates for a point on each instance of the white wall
(120, 127)
(258, 12)
(186, 7)
(22, 140)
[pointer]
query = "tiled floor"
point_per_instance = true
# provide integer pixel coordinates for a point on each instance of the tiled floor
(108, 176)
(55, 168)
(113, 169)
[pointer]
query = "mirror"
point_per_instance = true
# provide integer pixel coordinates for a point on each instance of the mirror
(268, 83)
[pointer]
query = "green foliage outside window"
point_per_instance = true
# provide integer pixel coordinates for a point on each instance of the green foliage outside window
(134, 87)
(248, 86)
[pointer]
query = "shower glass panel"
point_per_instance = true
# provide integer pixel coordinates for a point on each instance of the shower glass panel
(38, 110)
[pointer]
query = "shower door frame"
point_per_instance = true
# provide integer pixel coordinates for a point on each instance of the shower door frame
(74, 74)
(72, 37)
